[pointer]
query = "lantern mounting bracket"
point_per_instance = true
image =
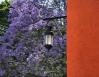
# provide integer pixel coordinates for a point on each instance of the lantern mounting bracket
(52, 18)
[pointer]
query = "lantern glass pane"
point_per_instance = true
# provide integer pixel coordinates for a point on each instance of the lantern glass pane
(49, 40)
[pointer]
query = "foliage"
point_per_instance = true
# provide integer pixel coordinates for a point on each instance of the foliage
(22, 51)
(4, 9)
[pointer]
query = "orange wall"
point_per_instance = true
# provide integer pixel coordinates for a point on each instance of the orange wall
(83, 38)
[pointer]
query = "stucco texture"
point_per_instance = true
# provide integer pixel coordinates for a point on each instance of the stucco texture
(83, 38)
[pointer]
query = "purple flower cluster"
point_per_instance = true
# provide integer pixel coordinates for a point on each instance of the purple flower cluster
(22, 50)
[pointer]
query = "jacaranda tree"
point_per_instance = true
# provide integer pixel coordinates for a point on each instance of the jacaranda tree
(22, 51)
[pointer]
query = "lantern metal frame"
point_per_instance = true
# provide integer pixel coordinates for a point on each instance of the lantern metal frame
(49, 30)
(50, 33)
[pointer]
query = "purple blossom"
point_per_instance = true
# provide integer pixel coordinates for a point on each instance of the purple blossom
(2, 72)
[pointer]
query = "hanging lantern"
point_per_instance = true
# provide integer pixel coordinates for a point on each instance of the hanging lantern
(49, 38)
